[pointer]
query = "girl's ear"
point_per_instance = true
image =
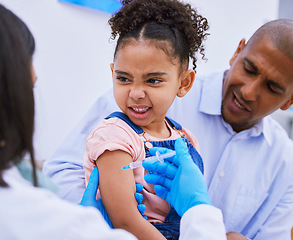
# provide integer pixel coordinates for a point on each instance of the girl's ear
(287, 104)
(112, 67)
(186, 83)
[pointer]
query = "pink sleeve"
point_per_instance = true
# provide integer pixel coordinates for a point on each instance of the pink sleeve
(111, 134)
(191, 138)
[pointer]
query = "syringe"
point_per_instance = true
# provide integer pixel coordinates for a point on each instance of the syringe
(158, 157)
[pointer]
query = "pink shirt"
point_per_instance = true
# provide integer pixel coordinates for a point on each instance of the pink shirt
(115, 134)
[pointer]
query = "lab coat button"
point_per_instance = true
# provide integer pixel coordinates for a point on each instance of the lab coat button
(221, 174)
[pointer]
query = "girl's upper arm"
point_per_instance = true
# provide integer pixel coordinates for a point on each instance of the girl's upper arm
(117, 189)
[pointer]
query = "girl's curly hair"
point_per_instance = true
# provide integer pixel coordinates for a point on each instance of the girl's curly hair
(164, 20)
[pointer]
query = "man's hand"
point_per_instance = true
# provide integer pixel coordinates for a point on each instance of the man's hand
(178, 180)
(235, 236)
(89, 196)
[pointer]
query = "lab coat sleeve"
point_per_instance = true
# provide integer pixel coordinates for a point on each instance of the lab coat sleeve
(28, 212)
(202, 222)
(86, 223)
(65, 166)
(91, 225)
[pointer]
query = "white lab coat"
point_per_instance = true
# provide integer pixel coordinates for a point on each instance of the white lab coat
(32, 213)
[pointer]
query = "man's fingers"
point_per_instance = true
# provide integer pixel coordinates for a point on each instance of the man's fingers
(158, 180)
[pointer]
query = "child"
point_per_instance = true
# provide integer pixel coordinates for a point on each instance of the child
(150, 68)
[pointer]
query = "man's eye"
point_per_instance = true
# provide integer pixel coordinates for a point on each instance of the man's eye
(272, 88)
(248, 70)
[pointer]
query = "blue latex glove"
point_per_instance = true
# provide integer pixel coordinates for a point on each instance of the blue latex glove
(89, 197)
(178, 180)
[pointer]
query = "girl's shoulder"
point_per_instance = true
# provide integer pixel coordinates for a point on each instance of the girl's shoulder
(192, 139)
(112, 128)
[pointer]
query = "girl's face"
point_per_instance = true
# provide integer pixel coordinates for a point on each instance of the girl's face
(145, 83)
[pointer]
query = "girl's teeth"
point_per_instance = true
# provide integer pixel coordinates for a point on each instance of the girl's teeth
(140, 110)
(238, 104)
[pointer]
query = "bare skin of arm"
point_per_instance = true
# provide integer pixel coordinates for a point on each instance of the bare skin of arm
(235, 236)
(117, 190)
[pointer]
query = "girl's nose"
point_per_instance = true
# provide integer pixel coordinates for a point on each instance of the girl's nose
(137, 93)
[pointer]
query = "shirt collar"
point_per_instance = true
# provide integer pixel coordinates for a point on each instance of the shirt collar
(211, 98)
(211, 101)
(267, 130)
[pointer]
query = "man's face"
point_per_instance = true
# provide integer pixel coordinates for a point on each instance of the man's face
(259, 82)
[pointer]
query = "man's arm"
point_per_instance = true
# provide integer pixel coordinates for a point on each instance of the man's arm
(65, 166)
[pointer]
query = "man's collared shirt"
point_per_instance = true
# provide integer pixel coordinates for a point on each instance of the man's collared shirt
(249, 174)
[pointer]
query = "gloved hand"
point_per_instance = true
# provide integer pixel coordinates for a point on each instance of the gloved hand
(178, 180)
(89, 196)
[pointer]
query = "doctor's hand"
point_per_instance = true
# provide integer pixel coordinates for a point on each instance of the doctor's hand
(89, 196)
(178, 180)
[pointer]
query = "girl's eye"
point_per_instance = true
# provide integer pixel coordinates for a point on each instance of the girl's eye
(153, 81)
(123, 79)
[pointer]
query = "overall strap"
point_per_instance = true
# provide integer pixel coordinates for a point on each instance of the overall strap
(173, 124)
(126, 119)
(138, 129)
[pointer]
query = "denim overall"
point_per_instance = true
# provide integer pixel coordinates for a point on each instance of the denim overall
(171, 226)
